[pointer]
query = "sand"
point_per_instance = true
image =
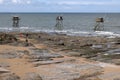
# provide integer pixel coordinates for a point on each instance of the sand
(21, 64)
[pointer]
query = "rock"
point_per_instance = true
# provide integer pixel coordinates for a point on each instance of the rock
(25, 52)
(42, 59)
(9, 77)
(9, 55)
(32, 76)
(76, 54)
(43, 54)
(98, 46)
(22, 53)
(7, 38)
(46, 62)
(116, 61)
(70, 71)
(117, 79)
(110, 76)
(2, 70)
(114, 51)
(3, 64)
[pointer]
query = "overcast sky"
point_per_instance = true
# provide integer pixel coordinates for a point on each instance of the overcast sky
(59, 5)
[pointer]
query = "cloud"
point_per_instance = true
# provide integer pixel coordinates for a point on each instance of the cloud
(59, 5)
(28, 2)
(63, 2)
(87, 3)
(16, 1)
(1, 1)
(21, 1)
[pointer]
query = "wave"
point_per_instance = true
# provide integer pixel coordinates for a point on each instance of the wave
(67, 32)
(107, 34)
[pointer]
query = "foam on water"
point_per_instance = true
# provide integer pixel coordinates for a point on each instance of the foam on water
(108, 34)
(67, 32)
(85, 33)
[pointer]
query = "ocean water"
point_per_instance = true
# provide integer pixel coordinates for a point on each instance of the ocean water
(74, 23)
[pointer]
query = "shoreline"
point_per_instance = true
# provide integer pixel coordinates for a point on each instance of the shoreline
(88, 33)
(57, 53)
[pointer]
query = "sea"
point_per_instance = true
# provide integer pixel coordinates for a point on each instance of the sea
(77, 24)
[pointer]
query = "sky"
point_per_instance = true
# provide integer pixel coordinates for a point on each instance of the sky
(60, 6)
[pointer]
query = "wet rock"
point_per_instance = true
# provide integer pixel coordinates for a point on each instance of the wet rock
(97, 46)
(7, 38)
(113, 52)
(61, 43)
(113, 56)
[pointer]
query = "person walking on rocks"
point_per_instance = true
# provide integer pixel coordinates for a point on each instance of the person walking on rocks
(27, 44)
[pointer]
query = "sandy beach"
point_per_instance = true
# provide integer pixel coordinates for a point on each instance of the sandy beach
(53, 56)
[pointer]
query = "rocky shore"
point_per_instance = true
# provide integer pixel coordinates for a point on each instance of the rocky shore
(53, 56)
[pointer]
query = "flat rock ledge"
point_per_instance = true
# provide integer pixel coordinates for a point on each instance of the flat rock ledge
(70, 71)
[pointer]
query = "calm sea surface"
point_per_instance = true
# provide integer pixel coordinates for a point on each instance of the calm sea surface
(73, 22)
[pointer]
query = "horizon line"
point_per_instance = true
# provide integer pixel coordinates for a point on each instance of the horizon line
(59, 12)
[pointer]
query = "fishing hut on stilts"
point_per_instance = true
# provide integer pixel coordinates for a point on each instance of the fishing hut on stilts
(16, 21)
(99, 24)
(59, 23)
